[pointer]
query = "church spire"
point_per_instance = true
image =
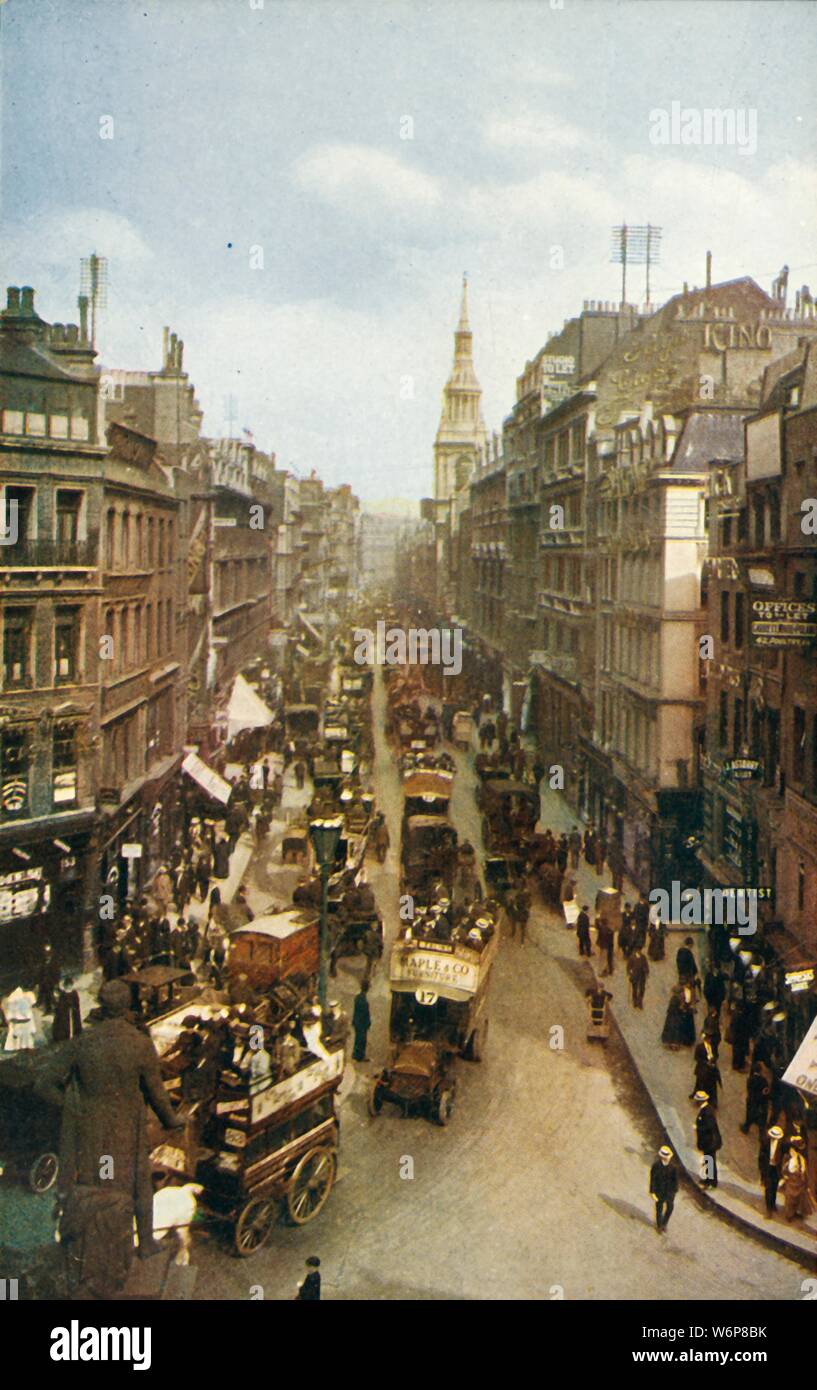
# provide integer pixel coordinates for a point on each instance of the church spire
(464, 326)
(461, 432)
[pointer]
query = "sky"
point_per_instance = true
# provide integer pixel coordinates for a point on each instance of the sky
(297, 188)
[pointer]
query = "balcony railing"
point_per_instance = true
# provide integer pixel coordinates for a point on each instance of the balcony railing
(49, 554)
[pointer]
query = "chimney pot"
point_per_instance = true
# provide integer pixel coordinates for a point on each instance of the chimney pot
(27, 300)
(71, 332)
(12, 300)
(82, 305)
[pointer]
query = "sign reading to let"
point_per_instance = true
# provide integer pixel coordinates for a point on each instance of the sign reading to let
(783, 622)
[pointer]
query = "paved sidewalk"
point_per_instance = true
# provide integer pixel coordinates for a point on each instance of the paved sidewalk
(667, 1075)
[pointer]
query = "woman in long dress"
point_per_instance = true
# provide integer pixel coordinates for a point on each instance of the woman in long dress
(679, 1024)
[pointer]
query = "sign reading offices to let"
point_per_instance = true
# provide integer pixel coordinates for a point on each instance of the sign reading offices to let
(783, 622)
(431, 969)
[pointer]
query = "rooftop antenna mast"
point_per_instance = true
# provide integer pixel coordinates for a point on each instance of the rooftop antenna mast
(93, 284)
(636, 246)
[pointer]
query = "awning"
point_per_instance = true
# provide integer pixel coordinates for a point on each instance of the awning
(207, 777)
(246, 710)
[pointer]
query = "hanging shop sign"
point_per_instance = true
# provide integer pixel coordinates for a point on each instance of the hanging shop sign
(783, 622)
(741, 769)
(797, 981)
(23, 893)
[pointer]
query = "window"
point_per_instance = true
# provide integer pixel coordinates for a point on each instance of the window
(110, 540)
(774, 517)
(723, 719)
(798, 767)
(151, 543)
(724, 615)
(24, 497)
(737, 728)
(18, 626)
(124, 640)
(15, 760)
(740, 619)
(759, 515)
(64, 765)
(726, 532)
(68, 510)
(66, 645)
(125, 540)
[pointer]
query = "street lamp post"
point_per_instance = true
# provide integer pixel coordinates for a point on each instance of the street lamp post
(325, 835)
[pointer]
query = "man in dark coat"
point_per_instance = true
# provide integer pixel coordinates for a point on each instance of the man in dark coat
(309, 1290)
(707, 1072)
(606, 939)
(758, 1090)
(714, 989)
(685, 963)
(47, 981)
(583, 932)
(637, 971)
(770, 1158)
(639, 922)
(67, 1015)
(707, 1138)
(101, 1080)
(361, 1023)
(663, 1186)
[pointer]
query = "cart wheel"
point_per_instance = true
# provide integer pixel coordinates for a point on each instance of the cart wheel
(254, 1225)
(310, 1184)
(43, 1172)
(374, 1105)
(478, 1037)
(445, 1104)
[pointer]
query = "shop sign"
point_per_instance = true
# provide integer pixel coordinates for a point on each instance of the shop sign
(131, 851)
(799, 980)
(741, 769)
(783, 622)
(427, 969)
(802, 1069)
(294, 1087)
(23, 893)
(14, 794)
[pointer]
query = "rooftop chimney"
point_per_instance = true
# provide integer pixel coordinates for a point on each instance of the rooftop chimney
(708, 269)
(27, 300)
(82, 305)
(165, 337)
(12, 300)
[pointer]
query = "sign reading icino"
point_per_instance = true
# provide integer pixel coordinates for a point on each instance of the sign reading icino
(783, 622)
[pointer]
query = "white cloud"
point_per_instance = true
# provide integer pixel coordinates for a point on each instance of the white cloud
(536, 130)
(352, 176)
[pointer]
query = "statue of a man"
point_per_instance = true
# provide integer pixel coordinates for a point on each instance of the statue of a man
(102, 1079)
